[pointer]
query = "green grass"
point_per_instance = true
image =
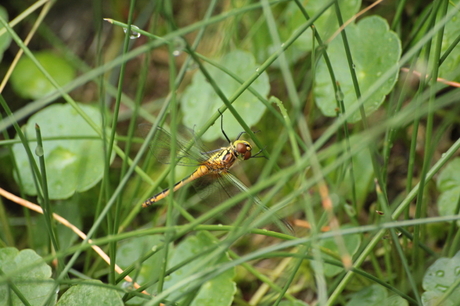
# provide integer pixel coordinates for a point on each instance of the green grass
(375, 173)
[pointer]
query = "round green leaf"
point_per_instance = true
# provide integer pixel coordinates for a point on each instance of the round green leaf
(369, 296)
(200, 100)
(447, 201)
(448, 183)
(439, 277)
(131, 252)
(375, 49)
(326, 24)
(217, 291)
(376, 295)
(34, 282)
(29, 82)
(396, 300)
(134, 249)
(75, 162)
(68, 209)
(450, 176)
(430, 298)
(449, 68)
(291, 19)
(5, 39)
(86, 294)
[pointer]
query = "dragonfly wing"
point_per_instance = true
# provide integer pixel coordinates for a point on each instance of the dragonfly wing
(240, 185)
(214, 187)
(187, 154)
(211, 186)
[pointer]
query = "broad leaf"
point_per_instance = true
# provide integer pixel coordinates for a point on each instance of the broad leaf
(375, 50)
(448, 183)
(75, 162)
(440, 276)
(87, 294)
(200, 100)
(217, 291)
(34, 282)
(375, 295)
(30, 83)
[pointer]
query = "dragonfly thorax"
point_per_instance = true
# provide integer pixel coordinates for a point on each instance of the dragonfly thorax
(225, 158)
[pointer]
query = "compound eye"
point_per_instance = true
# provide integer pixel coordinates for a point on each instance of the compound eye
(247, 155)
(241, 148)
(244, 150)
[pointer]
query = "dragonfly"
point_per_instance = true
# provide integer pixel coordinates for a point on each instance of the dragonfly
(212, 167)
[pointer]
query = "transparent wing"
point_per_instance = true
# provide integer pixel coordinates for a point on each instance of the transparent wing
(282, 224)
(161, 148)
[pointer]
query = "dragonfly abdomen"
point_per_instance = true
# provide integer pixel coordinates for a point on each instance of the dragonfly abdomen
(199, 172)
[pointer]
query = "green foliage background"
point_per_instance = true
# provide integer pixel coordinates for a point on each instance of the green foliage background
(352, 109)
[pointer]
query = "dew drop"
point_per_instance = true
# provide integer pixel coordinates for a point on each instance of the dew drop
(133, 34)
(178, 45)
(192, 66)
(282, 45)
(440, 273)
(39, 151)
(442, 288)
(127, 285)
(457, 271)
(353, 66)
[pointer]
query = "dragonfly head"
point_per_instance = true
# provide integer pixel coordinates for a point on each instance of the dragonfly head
(242, 149)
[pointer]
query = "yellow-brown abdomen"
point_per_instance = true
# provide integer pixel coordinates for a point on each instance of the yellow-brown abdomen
(201, 171)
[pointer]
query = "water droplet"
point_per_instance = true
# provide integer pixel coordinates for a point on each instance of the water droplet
(442, 288)
(127, 285)
(282, 45)
(133, 34)
(192, 66)
(178, 45)
(440, 273)
(353, 66)
(154, 248)
(457, 271)
(39, 151)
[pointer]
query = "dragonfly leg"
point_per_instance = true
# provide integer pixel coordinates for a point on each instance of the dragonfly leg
(259, 156)
(222, 126)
